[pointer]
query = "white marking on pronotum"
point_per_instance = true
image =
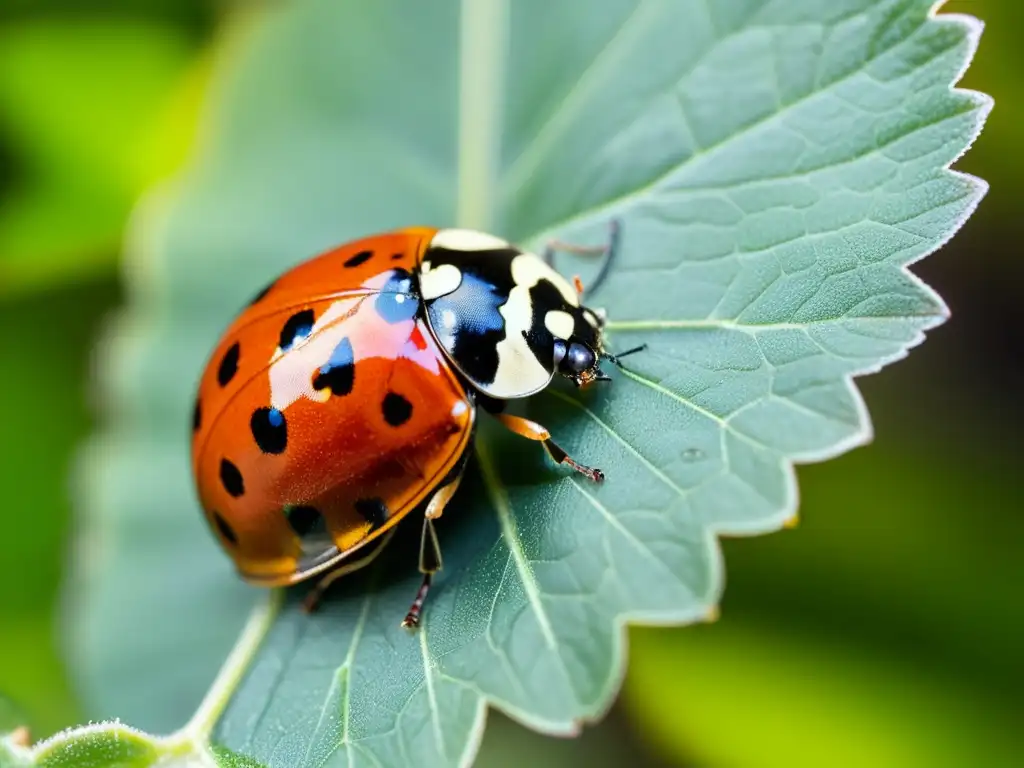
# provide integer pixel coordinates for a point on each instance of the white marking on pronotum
(438, 281)
(519, 372)
(466, 240)
(528, 269)
(561, 324)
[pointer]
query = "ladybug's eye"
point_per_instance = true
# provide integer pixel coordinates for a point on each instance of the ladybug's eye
(579, 358)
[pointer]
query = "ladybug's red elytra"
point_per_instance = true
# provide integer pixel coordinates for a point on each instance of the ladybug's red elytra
(345, 395)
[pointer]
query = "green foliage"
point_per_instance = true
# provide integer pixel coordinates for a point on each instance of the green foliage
(883, 713)
(106, 746)
(93, 114)
(228, 759)
(11, 716)
(775, 168)
(44, 354)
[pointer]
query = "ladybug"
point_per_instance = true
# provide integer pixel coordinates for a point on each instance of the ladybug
(346, 394)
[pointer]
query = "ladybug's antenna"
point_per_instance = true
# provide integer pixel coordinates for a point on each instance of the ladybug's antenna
(617, 359)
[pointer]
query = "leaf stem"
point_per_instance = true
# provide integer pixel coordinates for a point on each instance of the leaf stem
(199, 728)
(483, 46)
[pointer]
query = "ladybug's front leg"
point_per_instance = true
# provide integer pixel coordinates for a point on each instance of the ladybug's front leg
(534, 431)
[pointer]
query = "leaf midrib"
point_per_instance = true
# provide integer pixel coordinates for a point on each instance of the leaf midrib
(482, 46)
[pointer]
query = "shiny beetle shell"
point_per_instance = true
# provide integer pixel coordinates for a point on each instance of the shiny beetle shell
(346, 392)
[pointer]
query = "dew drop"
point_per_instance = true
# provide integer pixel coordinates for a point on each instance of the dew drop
(693, 454)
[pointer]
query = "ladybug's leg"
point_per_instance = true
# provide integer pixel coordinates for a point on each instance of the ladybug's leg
(346, 567)
(534, 431)
(430, 548)
(608, 250)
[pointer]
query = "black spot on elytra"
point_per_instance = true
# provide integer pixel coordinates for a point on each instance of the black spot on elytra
(259, 296)
(339, 372)
(228, 365)
(360, 258)
(269, 430)
(339, 379)
(231, 478)
(396, 409)
(197, 416)
(225, 530)
(397, 256)
(305, 520)
(297, 327)
(374, 510)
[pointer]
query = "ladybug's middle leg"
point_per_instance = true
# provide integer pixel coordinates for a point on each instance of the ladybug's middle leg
(609, 250)
(430, 548)
(534, 431)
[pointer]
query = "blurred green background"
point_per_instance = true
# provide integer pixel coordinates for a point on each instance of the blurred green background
(885, 630)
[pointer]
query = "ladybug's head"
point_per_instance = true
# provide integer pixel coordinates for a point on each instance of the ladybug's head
(578, 361)
(579, 358)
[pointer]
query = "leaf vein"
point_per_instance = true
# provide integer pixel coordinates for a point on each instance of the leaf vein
(431, 694)
(656, 471)
(619, 526)
(522, 168)
(512, 541)
(606, 209)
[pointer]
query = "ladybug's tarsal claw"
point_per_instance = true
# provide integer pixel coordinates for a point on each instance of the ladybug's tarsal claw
(593, 473)
(412, 618)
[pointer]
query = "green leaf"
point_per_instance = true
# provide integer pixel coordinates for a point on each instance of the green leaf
(775, 166)
(106, 745)
(50, 420)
